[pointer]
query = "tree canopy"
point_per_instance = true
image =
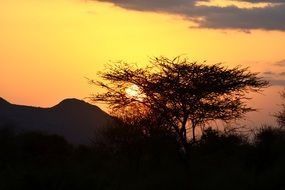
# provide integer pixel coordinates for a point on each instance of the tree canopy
(179, 94)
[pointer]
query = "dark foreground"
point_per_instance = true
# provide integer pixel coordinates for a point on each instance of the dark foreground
(218, 161)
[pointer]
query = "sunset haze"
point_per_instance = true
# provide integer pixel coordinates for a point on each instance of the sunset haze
(48, 48)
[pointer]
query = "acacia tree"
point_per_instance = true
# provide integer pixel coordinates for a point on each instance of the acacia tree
(179, 94)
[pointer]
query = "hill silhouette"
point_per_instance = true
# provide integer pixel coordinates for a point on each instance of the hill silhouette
(76, 120)
(3, 102)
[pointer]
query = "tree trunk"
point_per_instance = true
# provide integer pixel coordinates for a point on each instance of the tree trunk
(193, 134)
(184, 132)
(193, 131)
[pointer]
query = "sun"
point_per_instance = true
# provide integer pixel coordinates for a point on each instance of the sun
(134, 92)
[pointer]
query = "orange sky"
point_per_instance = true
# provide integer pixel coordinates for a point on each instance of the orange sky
(48, 47)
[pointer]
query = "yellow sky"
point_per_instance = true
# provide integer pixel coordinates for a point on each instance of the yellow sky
(47, 47)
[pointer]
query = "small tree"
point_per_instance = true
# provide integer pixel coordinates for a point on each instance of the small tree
(179, 94)
(280, 116)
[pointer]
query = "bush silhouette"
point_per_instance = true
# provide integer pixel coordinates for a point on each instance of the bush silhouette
(142, 157)
(213, 140)
(35, 145)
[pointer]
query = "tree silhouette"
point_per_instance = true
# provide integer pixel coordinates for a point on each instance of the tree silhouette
(178, 93)
(280, 116)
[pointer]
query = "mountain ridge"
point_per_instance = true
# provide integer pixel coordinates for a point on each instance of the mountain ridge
(78, 121)
(3, 101)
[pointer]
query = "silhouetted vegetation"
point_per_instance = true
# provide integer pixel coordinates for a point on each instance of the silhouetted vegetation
(132, 158)
(147, 146)
(179, 94)
(281, 114)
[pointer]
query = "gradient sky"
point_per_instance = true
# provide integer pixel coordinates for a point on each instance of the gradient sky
(48, 47)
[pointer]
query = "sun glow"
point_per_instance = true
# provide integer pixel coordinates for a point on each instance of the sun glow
(135, 92)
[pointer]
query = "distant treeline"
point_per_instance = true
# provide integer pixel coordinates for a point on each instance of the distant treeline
(131, 159)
